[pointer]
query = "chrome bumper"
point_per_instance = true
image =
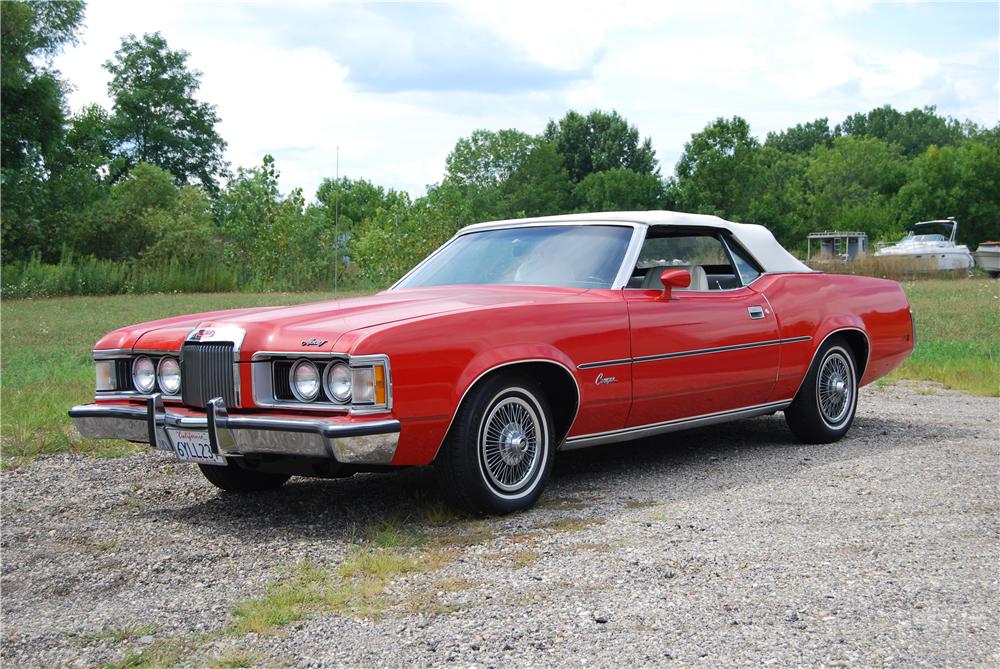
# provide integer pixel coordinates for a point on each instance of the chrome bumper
(372, 443)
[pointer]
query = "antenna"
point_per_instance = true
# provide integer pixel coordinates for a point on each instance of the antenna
(336, 223)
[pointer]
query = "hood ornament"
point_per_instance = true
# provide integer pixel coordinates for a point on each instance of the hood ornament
(314, 342)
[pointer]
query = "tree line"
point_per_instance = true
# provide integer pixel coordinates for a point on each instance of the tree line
(140, 198)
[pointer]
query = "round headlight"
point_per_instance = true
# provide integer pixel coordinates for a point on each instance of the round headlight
(338, 382)
(168, 375)
(304, 379)
(144, 374)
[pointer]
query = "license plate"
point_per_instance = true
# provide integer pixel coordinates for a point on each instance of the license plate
(194, 446)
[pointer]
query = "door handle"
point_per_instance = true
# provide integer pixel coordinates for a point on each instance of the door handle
(756, 313)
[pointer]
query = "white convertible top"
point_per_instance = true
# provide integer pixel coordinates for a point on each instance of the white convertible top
(756, 239)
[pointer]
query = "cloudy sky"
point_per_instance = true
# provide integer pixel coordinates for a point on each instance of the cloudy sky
(394, 85)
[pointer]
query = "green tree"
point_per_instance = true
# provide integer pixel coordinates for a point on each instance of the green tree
(850, 186)
(32, 92)
(480, 165)
(487, 158)
(157, 118)
(540, 186)
(183, 234)
(913, 131)
(718, 170)
(777, 200)
(120, 226)
(600, 141)
(963, 182)
(32, 116)
(619, 189)
(356, 200)
(802, 138)
(272, 240)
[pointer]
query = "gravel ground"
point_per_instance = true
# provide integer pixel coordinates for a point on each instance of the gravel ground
(725, 546)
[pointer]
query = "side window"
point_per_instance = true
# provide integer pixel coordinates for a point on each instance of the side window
(702, 254)
(748, 269)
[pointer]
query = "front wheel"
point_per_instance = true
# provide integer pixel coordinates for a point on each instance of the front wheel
(498, 454)
(823, 409)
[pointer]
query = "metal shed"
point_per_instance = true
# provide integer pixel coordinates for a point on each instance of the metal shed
(832, 245)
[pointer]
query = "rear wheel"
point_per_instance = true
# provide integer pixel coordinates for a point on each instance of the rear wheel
(498, 454)
(233, 478)
(824, 407)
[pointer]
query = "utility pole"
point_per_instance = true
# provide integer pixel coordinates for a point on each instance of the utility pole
(336, 224)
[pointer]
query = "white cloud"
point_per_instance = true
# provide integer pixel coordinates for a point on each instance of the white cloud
(669, 68)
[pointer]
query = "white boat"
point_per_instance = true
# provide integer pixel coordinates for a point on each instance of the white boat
(988, 258)
(930, 246)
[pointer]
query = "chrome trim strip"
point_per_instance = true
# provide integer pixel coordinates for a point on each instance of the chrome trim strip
(697, 351)
(631, 257)
(638, 432)
(130, 395)
(111, 353)
(609, 363)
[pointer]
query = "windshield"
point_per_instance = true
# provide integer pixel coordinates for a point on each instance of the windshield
(569, 256)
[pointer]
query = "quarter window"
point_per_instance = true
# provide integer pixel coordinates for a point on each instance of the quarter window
(747, 268)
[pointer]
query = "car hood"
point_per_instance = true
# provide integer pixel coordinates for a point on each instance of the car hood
(317, 326)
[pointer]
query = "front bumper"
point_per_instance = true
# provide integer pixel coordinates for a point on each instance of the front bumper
(371, 442)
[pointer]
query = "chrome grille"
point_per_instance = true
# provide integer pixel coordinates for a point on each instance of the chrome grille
(207, 372)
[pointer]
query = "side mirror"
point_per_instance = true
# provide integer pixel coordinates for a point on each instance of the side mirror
(673, 278)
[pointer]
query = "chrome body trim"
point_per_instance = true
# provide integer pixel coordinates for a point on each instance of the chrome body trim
(638, 432)
(131, 395)
(111, 353)
(698, 351)
(371, 442)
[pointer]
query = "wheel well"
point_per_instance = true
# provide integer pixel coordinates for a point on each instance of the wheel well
(858, 343)
(557, 383)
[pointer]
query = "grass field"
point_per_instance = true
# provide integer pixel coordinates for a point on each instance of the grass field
(958, 334)
(46, 365)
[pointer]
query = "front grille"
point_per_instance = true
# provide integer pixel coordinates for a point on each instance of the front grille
(207, 372)
(123, 373)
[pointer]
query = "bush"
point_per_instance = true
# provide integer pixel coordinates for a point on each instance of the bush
(92, 276)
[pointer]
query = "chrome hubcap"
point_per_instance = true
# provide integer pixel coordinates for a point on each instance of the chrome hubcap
(835, 387)
(509, 444)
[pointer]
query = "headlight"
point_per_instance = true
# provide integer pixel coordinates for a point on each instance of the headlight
(168, 374)
(144, 374)
(338, 382)
(304, 380)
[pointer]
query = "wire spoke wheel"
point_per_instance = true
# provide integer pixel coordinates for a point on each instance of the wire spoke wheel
(835, 388)
(510, 442)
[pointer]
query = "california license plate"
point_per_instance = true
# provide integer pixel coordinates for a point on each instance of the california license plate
(194, 446)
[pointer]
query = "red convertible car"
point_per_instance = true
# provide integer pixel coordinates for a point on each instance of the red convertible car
(513, 341)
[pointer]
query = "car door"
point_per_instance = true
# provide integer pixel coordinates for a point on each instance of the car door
(709, 349)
